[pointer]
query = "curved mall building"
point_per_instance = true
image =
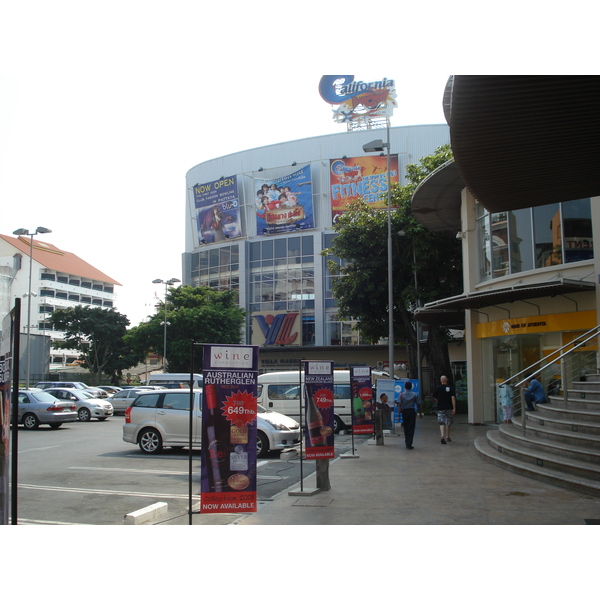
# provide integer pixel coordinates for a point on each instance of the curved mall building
(257, 221)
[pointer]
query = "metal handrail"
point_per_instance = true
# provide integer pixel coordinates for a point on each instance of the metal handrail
(550, 360)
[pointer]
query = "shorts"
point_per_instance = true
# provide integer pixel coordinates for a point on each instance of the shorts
(445, 417)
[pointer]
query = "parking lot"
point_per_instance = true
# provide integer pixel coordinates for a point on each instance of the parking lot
(84, 473)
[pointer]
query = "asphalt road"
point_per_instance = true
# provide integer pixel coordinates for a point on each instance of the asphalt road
(84, 473)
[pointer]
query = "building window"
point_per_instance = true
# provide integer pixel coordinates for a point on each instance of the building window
(48, 277)
(533, 238)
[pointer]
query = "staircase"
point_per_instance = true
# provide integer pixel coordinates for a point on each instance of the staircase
(560, 443)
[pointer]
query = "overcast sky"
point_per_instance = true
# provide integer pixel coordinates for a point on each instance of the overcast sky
(104, 107)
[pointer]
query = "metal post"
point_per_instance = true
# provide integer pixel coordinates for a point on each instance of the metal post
(390, 263)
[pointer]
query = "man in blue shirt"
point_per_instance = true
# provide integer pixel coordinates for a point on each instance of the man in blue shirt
(534, 393)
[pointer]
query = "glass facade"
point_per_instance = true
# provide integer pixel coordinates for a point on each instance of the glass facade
(533, 238)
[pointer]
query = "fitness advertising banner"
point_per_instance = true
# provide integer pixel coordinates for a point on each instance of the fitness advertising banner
(229, 423)
(318, 409)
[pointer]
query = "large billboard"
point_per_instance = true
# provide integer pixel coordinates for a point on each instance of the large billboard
(358, 101)
(284, 204)
(217, 208)
(363, 177)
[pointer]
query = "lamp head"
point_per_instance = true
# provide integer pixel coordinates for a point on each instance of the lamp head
(21, 232)
(43, 230)
(375, 146)
(157, 281)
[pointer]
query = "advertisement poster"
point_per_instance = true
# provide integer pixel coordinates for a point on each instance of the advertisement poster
(217, 210)
(361, 177)
(229, 420)
(387, 387)
(362, 400)
(318, 409)
(284, 204)
(277, 329)
(5, 400)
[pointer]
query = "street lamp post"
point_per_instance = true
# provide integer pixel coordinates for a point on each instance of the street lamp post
(378, 146)
(29, 294)
(167, 284)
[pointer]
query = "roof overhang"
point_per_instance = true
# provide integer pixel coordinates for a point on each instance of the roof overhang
(436, 201)
(447, 312)
(522, 140)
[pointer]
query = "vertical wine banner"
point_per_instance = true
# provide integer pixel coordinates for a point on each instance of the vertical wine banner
(229, 422)
(362, 400)
(318, 399)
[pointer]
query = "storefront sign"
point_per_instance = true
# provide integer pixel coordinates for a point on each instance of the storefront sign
(318, 409)
(229, 422)
(362, 400)
(279, 329)
(540, 324)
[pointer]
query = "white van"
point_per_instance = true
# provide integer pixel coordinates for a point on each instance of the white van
(174, 381)
(279, 391)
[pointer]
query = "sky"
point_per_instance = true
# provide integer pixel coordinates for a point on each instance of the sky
(104, 107)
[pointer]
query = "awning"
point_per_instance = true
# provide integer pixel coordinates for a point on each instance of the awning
(436, 201)
(446, 311)
(522, 140)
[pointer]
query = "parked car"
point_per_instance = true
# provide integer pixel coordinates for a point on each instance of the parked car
(37, 407)
(161, 418)
(78, 385)
(110, 389)
(88, 406)
(122, 400)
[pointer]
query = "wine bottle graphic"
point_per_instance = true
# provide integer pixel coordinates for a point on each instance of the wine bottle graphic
(314, 421)
(214, 426)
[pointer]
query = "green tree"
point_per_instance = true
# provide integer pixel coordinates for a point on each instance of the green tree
(199, 314)
(426, 266)
(97, 334)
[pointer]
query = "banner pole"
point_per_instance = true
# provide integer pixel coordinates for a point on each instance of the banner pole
(300, 394)
(16, 325)
(190, 433)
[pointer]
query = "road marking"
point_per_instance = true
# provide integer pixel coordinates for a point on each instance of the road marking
(49, 488)
(38, 522)
(38, 449)
(156, 472)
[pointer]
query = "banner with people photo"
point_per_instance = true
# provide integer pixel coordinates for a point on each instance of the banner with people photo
(363, 177)
(362, 400)
(318, 409)
(217, 208)
(229, 429)
(284, 204)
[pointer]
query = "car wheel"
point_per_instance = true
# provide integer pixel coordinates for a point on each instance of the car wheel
(30, 421)
(262, 444)
(338, 425)
(55, 425)
(150, 441)
(84, 414)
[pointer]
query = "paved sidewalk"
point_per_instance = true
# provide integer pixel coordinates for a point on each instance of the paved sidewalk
(434, 484)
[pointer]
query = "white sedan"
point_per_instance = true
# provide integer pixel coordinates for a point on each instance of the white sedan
(88, 406)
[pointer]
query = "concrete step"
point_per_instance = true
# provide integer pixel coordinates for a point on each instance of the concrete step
(557, 418)
(571, 412)
(561, 436)
(514, 434)
(542, 456)
(577, 401)
(535, 471)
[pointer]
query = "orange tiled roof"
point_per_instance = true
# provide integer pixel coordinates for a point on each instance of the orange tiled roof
(59, 260)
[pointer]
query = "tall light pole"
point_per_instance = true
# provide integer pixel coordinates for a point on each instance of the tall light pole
(30, 234)
(378, 146)
(402, 233)
(167, 284)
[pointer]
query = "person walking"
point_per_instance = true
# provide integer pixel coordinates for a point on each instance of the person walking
(409, 404)
(445, 396)
(382, 409)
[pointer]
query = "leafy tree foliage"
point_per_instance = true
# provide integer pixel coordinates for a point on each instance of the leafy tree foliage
(426, 266)
(97, 334)
(199, 314)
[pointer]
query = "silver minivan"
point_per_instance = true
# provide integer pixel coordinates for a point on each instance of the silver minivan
(161, 418)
